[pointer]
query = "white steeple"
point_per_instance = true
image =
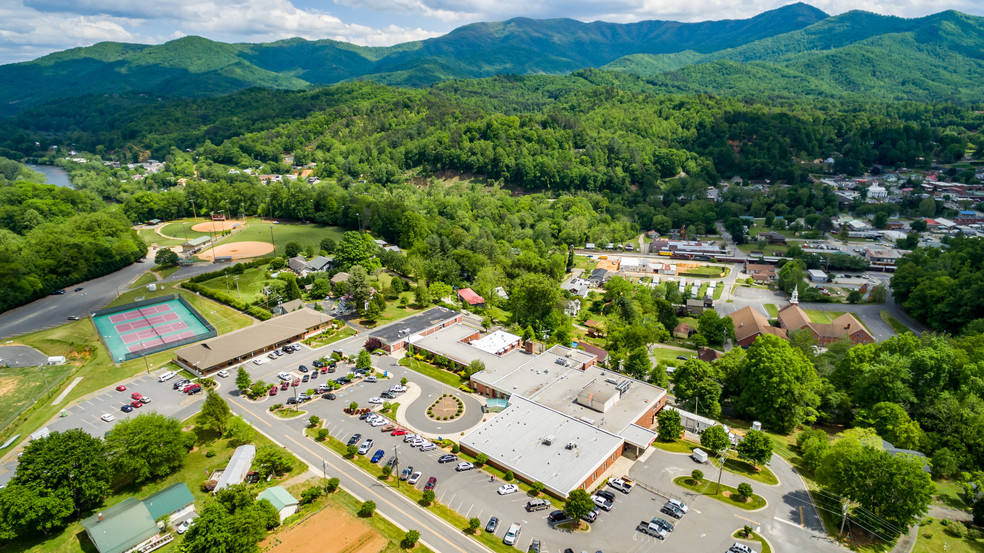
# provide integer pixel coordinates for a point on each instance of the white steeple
(795, 299)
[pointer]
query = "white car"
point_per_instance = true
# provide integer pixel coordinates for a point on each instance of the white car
(410, 437)
(167, 376)
(184, 526)
(284, 376)
(740, 548)
(370, 379)
(272, 355)
(259, 361)
(398, 389)
(679, 505)
(414, 478)
(378, 422)
(377, 400)
(507, 489)
(464, 465)
(107, 417)
(428, 446)
(417, 442)
(223, 373)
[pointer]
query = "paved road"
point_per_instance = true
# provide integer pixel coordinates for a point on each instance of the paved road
(52, 311)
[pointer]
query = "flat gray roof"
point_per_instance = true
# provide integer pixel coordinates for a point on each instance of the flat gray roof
(514, 438)
(417, 323)
(447, 342)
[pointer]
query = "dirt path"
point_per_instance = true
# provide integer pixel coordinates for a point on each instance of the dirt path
(348, 535)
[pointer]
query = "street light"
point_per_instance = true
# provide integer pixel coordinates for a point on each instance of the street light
(236, 278)
(271, 239)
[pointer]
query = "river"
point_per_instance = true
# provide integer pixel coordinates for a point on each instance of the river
(55, 175)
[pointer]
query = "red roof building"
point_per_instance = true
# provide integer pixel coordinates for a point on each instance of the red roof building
(469, 296)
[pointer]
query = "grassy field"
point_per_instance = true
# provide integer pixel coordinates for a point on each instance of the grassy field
(743, 468)
(771, 249)
(891, 321)
(948, 493)
(181, 229)
(772, 310)
(150, 237)
(21, 387)
(427, 369)
(251, 283)
(305, 235)
(73, 538)
(763, 545)
(726, 495)
(934, 537)
(707, 271)
(676, 446)
(144, 280)
(669, 355)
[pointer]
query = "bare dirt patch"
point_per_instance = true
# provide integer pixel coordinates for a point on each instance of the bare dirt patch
(237, 250)
(216, 226)
(348, 535)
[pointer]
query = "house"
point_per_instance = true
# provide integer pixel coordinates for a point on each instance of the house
(683, 331)
(573, 308)
(577, 287)
(598, 277)
(284, 308)
(594, 328)
(339, 277)
(282, 501)
(877, 192)
(121, 527)
(469, 296)
(707, 354)
(695, 307)
(761, 274)
(773, 237)
(601, 354)
(299, 265)
(235, 471)
(750, 324)
(175, 502)
(321, 263)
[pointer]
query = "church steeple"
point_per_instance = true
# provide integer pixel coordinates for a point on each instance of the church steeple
(795, 299)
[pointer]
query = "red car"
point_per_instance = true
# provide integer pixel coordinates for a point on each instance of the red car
(431, 482)
(324, 370)
(297, 381)
(136, 396)
(121, 388)
(398, 432)
(188, 387)
(273, 391)
(136, 404)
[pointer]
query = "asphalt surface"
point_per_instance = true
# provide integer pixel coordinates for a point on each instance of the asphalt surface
(52, 311)
(21, 356)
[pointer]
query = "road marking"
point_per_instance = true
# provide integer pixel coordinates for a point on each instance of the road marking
(789, 522)
(801, 517)
(748, 519)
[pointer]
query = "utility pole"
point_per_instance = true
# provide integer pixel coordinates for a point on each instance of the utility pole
(324, 467)
(238, 291)
(396, 465)
(193, 214)
(843, 518)
(721, 455)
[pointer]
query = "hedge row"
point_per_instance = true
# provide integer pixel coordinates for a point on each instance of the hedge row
(235, 303)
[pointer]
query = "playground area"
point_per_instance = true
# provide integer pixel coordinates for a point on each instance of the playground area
(140, 328)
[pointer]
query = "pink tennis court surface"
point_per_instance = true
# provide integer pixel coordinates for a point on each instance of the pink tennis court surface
(158, 341)
(139, 313)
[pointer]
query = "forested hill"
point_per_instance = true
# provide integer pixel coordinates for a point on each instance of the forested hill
(934, 58)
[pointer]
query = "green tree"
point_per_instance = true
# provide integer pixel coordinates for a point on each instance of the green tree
(292, 291)
(410, 539)
(147, 446)
(919, 225)
(292, 249)
(358, 287)
(697, 475)
(670, 427)
(367, 509)
(328, 245)
(357, 248)
(790, 275)
(813, 444)
(638, 364)
(214, 415)
(272, 460)
(578, 504)
(535, 297)
(428, 497)
(714, 438)
(364, 360)
(745, 491)
(72, 462)
(894, 425)
(421, 295)
(313, 420)
(351, 450)
(165, 257)
(473, 524)
(311, 494)
(439, 291)
(927, 207)
(756, 447)
(779, 386)
(332, 485)
(239, 431)
(475, 366)
(854, 296)
(243, 380)
(694, 383)
(715, 327)
(481, 459)
(27, 511)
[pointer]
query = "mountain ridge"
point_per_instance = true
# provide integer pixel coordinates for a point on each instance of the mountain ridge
(798, 43)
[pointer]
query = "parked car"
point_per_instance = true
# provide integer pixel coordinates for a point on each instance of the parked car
(371, 379)
(292, 401)
(428, 446)
(302, 368)
(144, 399)
(591, 516)
(107, 417)
(259, 361)
(602, 502)
(512, 534)
(534, 547)
(303, 397)
(136, 404)
(376, 400)
(388, 428)
(121, 388)
(740, 548)
(305, 378)
(126, 408)
(273, 390)
(329, 396)
(354, 439)
(283, 376)
(387, 395)
(623, 485)
(492, 525)
(679, 505)
(447, 458)
(406, 473)
(557, 516)
(414, 478)
(537, 504)
(606, 494)
(73, 317)
(136, 396)
(377, 456)
(464, 465)
(398, 432)
(376, 423)
(672, 510)
(223, 373)
(431, 482)
(365, 447)
(663, 523)
(193, 390)
(183, 527)
(284, 385)
(181, 384)
(507, 489)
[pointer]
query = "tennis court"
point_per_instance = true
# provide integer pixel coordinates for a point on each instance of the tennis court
(149, 326)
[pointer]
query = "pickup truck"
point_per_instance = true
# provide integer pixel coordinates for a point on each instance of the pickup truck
(623, 485)
(651, 529)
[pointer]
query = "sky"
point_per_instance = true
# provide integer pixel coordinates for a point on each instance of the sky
(32, 28)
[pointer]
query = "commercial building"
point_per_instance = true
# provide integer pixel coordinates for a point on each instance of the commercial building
(594, 415)
(209, 356)
(762, 274)
(396, 337)
(816, 275)
(881, 257)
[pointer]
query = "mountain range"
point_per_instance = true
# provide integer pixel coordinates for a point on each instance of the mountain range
(796, 50)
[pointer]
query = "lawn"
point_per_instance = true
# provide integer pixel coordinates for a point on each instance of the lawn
(73, 538)
(23, 386)
(427, 369)
(948, 493)
(305, 235)
(934, 537)
(144, 280)
(817, 316)
(764, 546)
(744, 468)
(726, 495)
(676, 446)
(181, 229)
(702, 291)
(891, 321)
(771, 249)
(319, 341)
(718, 291)
(150, 237)
(707, 271)
(669, 355)
(251, 283)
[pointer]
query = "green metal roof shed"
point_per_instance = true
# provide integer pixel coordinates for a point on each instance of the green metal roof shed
(278, 497)
(169, 500)
(120, 527)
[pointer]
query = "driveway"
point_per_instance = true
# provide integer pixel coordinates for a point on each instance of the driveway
(21, 356)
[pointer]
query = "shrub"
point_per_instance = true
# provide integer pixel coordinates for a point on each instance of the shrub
(697, 475)
(322, 434)
(473, 524)
(482, 459)
(387, 471)
(538, 487)
(746, 531)
(744, 491)
(210, 453)
(509, 476)
(367, 509)
(313, 420)
(351, 451)
(310, 494)
(354, 405)
(428, 497)
(332, 485)
(455, 448)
